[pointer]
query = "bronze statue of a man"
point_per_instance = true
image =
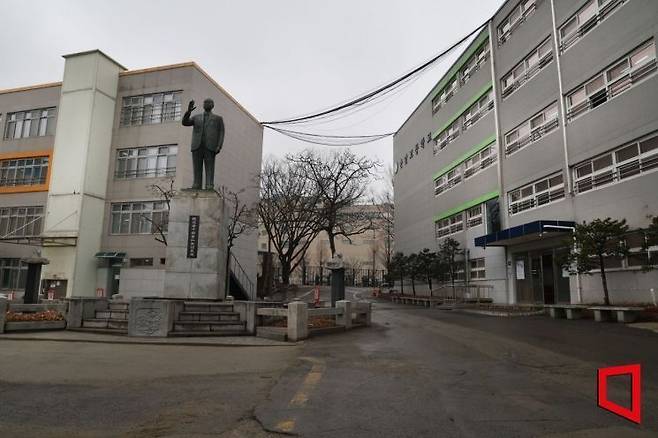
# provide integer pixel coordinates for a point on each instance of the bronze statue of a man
(207, 141)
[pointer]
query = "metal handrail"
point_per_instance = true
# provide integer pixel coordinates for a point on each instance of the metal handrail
(241, 276)
(533, 136)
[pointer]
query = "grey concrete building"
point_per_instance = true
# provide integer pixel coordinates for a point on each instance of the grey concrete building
(548, 118)
(80, 165)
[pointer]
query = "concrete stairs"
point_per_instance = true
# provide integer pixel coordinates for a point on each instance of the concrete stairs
(113, 320)
(207, 318)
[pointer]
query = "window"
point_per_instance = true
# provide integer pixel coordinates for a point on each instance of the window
(613, 81)
(586, 19)
(532, 129)
(151, 108)
(450, 225)
(515, 18)
(478, 109)
(444, 96)
(12, 274)
(21, 221)
(633, 159)
(23, 172)
(480, 161)
(473, 64)
(527, 68)
(477, 269)
(152, 161)
(542, 192)
(33, 123)
(140, 262)
(474, 216)
(139, 217)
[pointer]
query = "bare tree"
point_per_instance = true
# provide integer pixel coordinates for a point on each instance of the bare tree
(287, 211)
(159, 223)
(385, 221)
(342, 180)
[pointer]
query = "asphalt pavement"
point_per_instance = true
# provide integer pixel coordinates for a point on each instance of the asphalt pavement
(416, 372)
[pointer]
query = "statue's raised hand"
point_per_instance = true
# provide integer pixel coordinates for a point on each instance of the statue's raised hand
(190, 106)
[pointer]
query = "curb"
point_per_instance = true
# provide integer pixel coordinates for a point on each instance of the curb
(143, 342)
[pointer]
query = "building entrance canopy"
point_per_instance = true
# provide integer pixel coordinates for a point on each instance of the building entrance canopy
(532, 231)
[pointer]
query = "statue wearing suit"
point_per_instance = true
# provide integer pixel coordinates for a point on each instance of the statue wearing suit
(207, 141)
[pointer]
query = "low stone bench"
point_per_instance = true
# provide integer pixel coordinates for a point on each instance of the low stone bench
(569, 311)
(623, 314)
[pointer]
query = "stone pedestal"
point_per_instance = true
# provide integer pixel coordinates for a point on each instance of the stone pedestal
(203, 276)
(150, 317)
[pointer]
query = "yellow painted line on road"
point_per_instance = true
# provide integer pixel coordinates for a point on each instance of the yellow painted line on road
(310, 382)
(301, 396)
(286, 425)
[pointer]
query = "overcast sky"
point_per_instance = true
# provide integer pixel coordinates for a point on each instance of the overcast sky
(278, 58)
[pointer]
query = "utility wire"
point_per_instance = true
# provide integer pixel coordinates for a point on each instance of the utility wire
(372, 94)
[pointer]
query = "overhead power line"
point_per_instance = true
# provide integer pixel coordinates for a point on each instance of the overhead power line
(383, 89)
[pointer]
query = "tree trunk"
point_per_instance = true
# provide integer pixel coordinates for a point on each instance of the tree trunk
(285, 273)
(413, 285)
(402, 284)
(604, 280)
(429, 283)
(332, 244)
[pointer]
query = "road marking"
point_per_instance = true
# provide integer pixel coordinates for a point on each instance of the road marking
(286, 425)
(310, 382)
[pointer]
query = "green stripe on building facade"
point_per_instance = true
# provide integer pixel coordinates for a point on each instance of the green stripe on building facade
(474, 150)
(459, 63)
(467, 205)
(466, 106)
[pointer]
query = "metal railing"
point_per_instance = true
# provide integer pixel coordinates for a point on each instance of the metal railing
(503, 37)
(612, 90)
(145, 173)
(528, 74)
(533, 136)
(626, 170)
(589, 24)
(463, 292)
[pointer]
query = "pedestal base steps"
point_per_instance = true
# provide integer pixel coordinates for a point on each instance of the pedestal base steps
(114, 319)
(208, 318)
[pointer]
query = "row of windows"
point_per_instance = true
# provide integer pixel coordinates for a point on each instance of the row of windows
(515, 18)
(466, 169)
(465, 120)
(21, 221)
(536, 194)
(152, 108)
(150, 161)
(575, 27)
(32, 123)
(586, 19)
(612, 81)
(455, 223)
(13, 274)
(467, 71)
(617, 165)
(532, 129)
(525, 70)
(23, 171)
(139, 217)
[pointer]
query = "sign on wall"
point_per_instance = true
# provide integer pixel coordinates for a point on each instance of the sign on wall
(193, 237)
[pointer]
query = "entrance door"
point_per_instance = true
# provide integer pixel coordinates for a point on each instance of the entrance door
(537, 279)
(548, 275)
(562, 277)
